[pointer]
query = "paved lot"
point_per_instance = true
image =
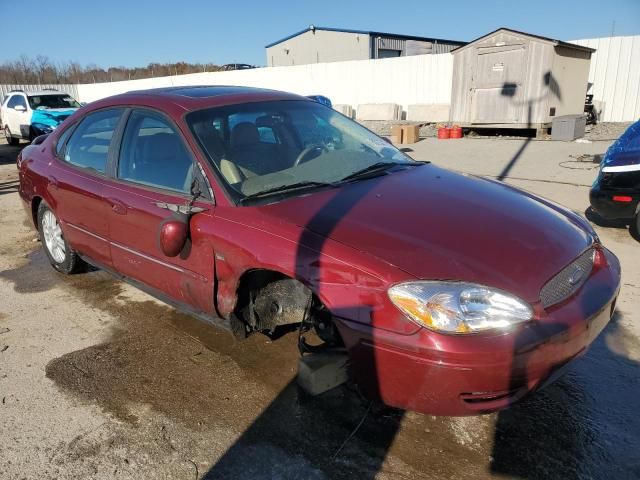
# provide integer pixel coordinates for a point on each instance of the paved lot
(98, 380)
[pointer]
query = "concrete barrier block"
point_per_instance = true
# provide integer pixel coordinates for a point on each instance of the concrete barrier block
(379, 111)
(320, 372)
(432, 113)
(346, 110)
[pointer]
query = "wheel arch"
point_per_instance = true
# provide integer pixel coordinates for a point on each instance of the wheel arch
(36, 200)
(299, 293)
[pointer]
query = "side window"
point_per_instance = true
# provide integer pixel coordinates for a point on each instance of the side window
(267, 135)
(88, 146)
(153, 154)
(16, 100)
(312, 129)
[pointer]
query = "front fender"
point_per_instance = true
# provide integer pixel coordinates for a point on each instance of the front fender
(351, 284)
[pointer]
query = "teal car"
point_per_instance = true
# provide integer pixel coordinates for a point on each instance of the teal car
(26, 115)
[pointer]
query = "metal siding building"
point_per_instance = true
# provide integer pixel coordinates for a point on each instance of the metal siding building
(515, 79)
(321, 45)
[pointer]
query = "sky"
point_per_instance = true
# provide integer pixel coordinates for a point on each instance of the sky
(136, 32)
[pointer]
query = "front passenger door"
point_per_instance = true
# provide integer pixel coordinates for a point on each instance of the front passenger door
(155, 166)
(18, 116)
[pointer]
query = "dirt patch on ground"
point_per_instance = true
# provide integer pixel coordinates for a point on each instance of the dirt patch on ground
(160, 362)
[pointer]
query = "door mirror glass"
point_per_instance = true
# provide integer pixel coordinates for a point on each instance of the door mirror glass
(173, 234)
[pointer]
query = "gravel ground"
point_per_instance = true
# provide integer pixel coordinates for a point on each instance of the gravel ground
(99, 380)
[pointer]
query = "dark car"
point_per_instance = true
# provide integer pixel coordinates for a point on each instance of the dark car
(263, 211)
(615, 195)
(237, 66)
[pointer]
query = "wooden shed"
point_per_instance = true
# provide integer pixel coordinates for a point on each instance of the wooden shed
(511, 79)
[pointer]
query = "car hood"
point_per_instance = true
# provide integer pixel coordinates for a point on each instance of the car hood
(436, 224)
(51, 117)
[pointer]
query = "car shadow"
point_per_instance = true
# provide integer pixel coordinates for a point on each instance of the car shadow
(579, 427)
(628, 224)
(334, 435)
(8, 153)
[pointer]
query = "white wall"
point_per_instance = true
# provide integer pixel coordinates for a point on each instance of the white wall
(403, 80)
(615, 74)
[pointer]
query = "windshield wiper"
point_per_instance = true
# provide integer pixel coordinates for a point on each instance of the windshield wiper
(373, 170)
(286, 188)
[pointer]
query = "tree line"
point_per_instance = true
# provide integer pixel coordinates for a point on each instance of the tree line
(42, 70)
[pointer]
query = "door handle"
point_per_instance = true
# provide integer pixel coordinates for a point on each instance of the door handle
(117, 206)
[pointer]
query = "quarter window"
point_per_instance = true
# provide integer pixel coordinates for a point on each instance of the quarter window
(61, 141)
(88, 146)
(153, 154)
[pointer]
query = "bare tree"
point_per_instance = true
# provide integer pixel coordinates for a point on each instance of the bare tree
(42, 70)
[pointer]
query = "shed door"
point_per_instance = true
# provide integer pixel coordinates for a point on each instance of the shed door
(497, 86)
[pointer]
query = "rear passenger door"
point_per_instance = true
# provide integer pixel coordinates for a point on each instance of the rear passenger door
(76, 182)
(156, 167)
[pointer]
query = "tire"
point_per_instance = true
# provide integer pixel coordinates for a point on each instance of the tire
(13, 141)
(61, 256)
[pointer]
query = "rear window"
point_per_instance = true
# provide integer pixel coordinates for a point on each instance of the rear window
(52, 101)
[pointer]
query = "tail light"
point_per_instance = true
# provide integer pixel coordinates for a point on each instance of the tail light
(599, 258)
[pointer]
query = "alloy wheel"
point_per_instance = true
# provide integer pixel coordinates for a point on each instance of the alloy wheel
(53, 236)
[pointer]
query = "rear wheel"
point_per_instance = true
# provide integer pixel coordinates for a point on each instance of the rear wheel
(60, 254)
(13, 141)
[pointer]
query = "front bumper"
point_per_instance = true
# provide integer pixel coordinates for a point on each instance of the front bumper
(471, 374)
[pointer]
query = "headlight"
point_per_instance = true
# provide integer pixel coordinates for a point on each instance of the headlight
(455, 307)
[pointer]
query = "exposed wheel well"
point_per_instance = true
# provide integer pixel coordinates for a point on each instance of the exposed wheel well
(268, 300)
(35, 205)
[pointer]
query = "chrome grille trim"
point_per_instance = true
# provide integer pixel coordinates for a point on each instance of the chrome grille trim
(568, 280)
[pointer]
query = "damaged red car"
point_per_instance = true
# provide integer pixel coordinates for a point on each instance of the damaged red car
(260, 210)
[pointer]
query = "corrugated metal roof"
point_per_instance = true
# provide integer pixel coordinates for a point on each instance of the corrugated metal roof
(364, 32)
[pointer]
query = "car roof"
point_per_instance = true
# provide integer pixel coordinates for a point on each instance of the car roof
(195, 97)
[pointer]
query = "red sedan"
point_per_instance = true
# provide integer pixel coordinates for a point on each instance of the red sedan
(260, 210)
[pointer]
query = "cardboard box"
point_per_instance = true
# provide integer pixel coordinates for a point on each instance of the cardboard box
(396, 134)
(410, 133)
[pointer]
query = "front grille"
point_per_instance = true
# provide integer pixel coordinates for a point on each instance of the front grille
(568, 281)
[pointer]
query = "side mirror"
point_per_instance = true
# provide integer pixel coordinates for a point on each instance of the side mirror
(174, 232)
(20, 108)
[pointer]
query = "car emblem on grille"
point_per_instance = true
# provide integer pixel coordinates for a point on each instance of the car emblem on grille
(576, 276)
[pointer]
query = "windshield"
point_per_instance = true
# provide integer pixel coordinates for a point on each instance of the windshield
(262, 146)
(52, 101)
